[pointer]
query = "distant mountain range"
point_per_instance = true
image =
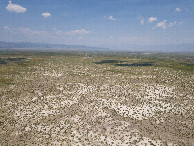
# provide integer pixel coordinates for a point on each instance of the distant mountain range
(39, 46)
(25, 46)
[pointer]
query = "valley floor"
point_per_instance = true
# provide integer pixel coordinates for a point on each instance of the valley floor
(85, 99)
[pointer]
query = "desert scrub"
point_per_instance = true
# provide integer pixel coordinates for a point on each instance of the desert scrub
(67, 98)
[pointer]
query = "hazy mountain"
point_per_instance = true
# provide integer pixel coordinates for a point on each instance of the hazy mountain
(63, 47)
(36, 46)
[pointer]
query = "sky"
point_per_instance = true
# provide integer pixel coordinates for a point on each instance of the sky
(102, 23)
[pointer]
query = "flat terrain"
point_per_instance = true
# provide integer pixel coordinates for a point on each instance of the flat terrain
(96, 99)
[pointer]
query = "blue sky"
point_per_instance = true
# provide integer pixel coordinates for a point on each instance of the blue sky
(104, 23)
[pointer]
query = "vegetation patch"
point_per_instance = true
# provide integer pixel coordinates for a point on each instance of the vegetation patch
(137, 64)
(109, 61)
(5, 81)
(10, 60)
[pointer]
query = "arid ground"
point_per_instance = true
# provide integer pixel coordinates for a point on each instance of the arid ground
(96, 99)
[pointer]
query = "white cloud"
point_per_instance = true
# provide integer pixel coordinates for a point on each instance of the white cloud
(15, 8)
(162, 24)
(7, 28)
(78, 31)
(73, 32)
(112, 18)
(58, 32)
(178, 9)
(29, 31)
(141, 20)
(46, 15)
(152, 19)
(171, 24)
(45, 34)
